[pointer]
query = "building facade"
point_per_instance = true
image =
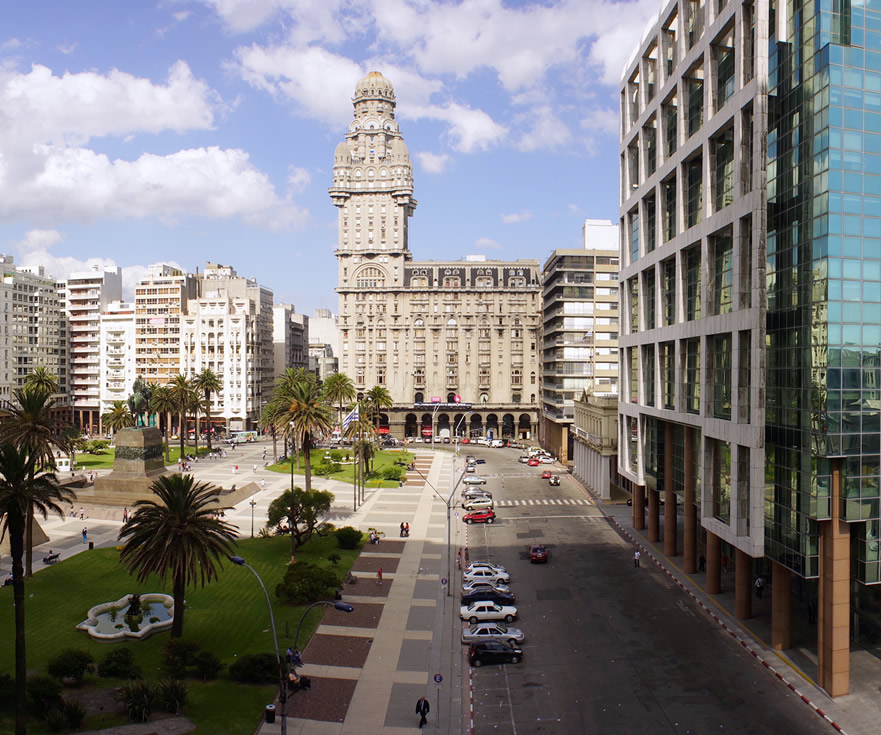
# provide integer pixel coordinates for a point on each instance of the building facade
(751, 248)
(595, 442)
(86, 296)
(579, 333)
(116, 341)
(455, 343)
(290, 339)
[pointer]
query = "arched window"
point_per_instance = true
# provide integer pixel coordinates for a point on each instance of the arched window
(451, 397)
(370, 277)
(418, 398)
(484, 397)
(451, 323)
(419, 323)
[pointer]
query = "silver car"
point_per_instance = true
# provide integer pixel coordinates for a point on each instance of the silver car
(487, 611)
(483, 631)
(474, 480)
(488, 564)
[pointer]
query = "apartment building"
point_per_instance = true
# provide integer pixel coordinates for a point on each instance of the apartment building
(579, 331)
(454, 342)
(85, 295)
(751, 276)
(116, 350)
(290, 338)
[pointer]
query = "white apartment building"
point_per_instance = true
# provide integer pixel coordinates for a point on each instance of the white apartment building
(116, 340)
(290, 338)
(85, 296)
(160, 301)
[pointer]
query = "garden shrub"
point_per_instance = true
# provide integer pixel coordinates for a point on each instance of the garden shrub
(119, 664)
(172, 695)
(304, 582)
(393, 473)
(74, 714)
(71, 664)
(336, 455)
(138, 699)
(207, 665)
(55, 719)
(255, 668)
(325, 529)
(177, 655)
(348, 537)
(44, 692)
(97, 446)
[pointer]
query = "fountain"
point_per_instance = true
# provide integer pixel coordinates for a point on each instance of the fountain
(132, 616)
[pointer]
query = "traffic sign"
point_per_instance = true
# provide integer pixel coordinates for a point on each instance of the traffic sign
(444, 581)
(438, 678)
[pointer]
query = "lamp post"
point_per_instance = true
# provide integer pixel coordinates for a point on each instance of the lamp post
(462, 422)
(239, 561)
(252, 504)
(291, 455)
(343, 606)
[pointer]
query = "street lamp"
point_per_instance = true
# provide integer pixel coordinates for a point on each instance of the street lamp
(342, 606)
(252, 504)
(239, 561)
(291, 455)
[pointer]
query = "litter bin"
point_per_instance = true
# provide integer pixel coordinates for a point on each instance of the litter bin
(270, 713)
(91, 545)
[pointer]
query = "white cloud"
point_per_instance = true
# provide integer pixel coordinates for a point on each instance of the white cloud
(515, 217)
(433, 163)
(547, 131)
(486, 243)
(575, 210)
(601, 120)
(67, 48)
(11, 44)
(469, 130)
(298, 179)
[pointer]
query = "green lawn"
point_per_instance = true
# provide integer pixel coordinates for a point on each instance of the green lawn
(105, 461)
(383, 459)
(228, 617)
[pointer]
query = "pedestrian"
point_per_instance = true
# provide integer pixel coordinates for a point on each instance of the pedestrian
(235, 469)
(379, 576)
(262, 484)
(289, 655)
(422, 709)
(702, 563)
(85, 534)
(82, 513)
(812, 610)
(459, 558)
(636, 556)
(402, 529)
(264, 454)
(255, 468)
(406, 530)
(760, 586)
(125, 515)
(298, 658)
(724, 562)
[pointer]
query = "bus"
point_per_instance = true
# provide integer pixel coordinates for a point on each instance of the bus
(241, 437)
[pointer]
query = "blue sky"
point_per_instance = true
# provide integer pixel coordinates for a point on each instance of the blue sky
(189, 131)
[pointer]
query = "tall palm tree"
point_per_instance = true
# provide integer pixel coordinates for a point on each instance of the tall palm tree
(177, 535)
(182, 392)
(378, 398)
(118, 417)
(32, 422)
(361, 431)
(292, 377)
(307, 414)
(271, 416)
(339, 390)
(40, 377)
(161, 402)
(208, 382)
(21, 491)
(196, 408)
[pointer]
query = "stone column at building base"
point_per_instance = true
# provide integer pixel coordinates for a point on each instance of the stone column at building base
(781, 608)
(639, 507)
(743, 585)
(714, 564)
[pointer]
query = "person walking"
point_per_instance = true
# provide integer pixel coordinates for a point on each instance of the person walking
(85, 534)
(702, 563)
(289, 655)
(636, 556)
(298, 658)
(379, 576)
(406, 530)
(125, 515)
(402, 529)
(724, 562)
(422, 709)
(760, 586)
(262, 484)
(82, 513)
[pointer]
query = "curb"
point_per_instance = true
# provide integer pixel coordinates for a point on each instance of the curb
(730, 631)
(470, 669)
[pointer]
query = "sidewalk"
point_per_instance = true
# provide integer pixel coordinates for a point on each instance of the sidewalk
(854, 714)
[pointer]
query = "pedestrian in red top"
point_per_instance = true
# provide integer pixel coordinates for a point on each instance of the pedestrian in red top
(379, 576)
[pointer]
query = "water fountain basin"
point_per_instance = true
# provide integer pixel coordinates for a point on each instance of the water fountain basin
(108, 622)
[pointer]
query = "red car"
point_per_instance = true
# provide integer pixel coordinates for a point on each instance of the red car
(466, 440)
(538, 554)
(533, 462)
(480, 516)
(546, 475)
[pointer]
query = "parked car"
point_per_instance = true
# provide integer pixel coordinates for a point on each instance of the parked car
(546, 475)
(523, 459)
(544, 459)
(474, 480)
(538, 554)
(485, 574)
(476, 491)
(493, 652)
(480, 516)
(486, 565)
(533, 462)
(486, 631)
(478, 611)
(481, 441)
(479, 460)
(466, 440)
(497, 443)
(477, 503)
(470, 468)
(476, 585)
(554, 480)
(488, 594)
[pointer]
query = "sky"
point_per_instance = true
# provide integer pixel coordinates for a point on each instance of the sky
(194, 131)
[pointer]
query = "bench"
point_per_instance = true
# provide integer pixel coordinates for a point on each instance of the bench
(51, 558)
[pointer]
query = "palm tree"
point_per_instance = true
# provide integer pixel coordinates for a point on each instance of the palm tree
(271, 416)
(363, 449)
(118, 417)
(182, 392)
(195, 411)
(307, 414)
(292, 377)
(40, 377)
(176, 535)
(161, 402)
(22, 491)
(208, 382)
(33, 423)
(339, 390)
(378, 398)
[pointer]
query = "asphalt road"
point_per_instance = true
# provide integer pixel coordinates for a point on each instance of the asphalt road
(609, 648)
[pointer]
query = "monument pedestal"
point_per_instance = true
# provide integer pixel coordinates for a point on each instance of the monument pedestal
(139, 461)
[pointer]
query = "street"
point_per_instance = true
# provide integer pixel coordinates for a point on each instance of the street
(609, 648)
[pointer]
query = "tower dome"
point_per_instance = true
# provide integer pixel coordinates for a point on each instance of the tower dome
(374, 86)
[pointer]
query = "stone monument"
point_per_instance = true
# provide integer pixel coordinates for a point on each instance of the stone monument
(139, 461)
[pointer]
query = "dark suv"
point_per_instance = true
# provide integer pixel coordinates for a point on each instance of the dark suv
(493, 652)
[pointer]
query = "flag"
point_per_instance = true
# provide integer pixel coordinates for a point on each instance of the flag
(350, 418)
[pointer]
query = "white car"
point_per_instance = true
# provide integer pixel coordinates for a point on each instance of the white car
(478, 585)
(487, 611)
(477, 503)
(483, 631)
(470, 468)
(497, 443)
(485, 565)
(546, 460)
(474, 480)
(523, 459)
(487, 575)
(482, 442)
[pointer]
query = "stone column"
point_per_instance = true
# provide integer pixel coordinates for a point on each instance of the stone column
(714, 564)
(689, 545)
(833, 606)
(743, 585)
(639, 507)
(781, 608)
(670, 514)
(654, 531)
